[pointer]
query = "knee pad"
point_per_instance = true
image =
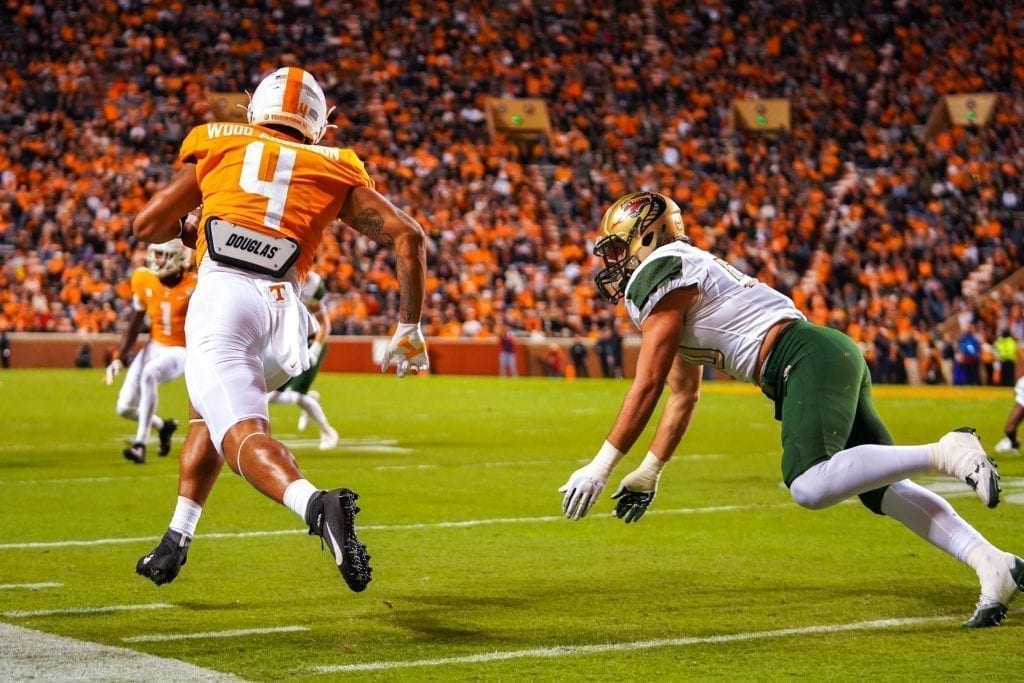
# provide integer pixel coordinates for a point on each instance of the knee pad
(872, 500)
(805, 496)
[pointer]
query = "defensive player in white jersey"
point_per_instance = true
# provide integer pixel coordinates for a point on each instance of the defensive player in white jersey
(161, 291)
(267, 192)
(694, 309)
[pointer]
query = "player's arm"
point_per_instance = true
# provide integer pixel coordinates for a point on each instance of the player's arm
(323, 330)
(659, 344)
(369, 212)
(637, 490)
(661, 332)
(131, 334)
(158, 221)
(319, 311)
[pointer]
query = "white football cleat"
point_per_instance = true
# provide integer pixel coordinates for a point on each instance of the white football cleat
(960, 454)
(328, 440)
(1007, 579)
(1005, 446)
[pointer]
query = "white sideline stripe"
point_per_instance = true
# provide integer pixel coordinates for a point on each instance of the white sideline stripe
(23, 614)
(573, 650)
(29, 586)
(87, 480)
(381, 527)
(27, 655)
(166, 637)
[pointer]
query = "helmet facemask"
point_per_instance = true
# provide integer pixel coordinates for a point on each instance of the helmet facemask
(619, 264)
(632, 228)
(166, 259)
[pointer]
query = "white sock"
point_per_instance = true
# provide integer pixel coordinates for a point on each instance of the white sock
(928, 515)
(186, 517)
(288, 397)
(147, 407)
(313, 409)
(856, 470)
(992, 566)
(297, 495)
(156, 423)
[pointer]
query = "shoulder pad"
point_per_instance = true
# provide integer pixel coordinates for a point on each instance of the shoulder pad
(653, 275)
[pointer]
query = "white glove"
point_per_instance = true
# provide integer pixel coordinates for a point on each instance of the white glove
(407, 350)
(314, 352)
(585, 484)
(115, 367)
(637, 490)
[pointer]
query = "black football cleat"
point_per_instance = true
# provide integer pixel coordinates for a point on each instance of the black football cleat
(164, 562)
(136, 452)
(331, 515)
(165, 433)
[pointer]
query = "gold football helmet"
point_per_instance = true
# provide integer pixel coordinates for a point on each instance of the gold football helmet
(632, 228)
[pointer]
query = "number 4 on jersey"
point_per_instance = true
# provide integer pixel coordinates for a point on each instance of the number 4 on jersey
(275, 189)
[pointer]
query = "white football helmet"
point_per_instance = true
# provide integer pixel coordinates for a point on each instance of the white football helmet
(167, 258)
(633, 227)
(290, 97)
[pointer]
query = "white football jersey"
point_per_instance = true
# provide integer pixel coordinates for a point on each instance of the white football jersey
(730, 316)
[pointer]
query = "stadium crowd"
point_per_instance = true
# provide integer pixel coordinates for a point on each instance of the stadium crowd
(870, 225)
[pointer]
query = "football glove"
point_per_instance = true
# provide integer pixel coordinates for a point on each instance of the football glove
(637, 490)
(583, 489)
(115, 367)
(632, 504)
(407, 350)
(585, 484)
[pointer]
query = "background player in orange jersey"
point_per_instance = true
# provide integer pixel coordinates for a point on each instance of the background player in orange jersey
(161, 291)
(267, 191)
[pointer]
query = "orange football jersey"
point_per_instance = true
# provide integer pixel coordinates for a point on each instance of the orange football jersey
(165, 306)
(257, 178)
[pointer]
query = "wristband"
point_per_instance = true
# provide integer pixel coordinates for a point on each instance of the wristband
(608, 456)
(406, 328)
(652, 465)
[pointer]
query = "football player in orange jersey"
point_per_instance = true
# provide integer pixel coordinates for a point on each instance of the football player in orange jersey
(160, 290)
(267, 191)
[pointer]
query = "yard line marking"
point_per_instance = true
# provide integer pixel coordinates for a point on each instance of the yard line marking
(382, 527)
(461, 524)
(27, 655)
(572, 650)
(166, 637)
(134, 539)
(88, 480)
(29, 586)
(24, 614)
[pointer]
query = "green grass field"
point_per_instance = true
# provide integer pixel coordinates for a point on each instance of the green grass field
(476, 575)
